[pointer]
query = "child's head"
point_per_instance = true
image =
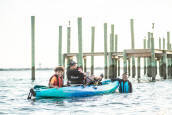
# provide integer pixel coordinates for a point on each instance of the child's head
(59, 70)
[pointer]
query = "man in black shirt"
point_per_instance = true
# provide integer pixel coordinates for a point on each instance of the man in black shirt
(75, 74)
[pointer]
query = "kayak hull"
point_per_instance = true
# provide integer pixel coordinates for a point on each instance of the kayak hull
(76, 91)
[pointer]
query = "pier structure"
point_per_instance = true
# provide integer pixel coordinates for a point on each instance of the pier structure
(154, 58)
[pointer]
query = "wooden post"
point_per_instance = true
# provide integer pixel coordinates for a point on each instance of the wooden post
(64, 62)
(115, 60)
(168, 40)
(163, 62)
(92, 49)
(169, 60)
(145, 58)
(171, 63)
(132, 33)
(114, 71)
(148, 43)
(129, 67)
(116, 42)
(33, 45)
(133, 68)
(111, 61)
(138, 68)
(132, 47)
(156, 68)
(110, 57)
(163, 67)
(125, 62)
(68, 42)
(77, 58)
(112, 33)
(163, 43)
(105, 50)
(160, 60)
(153, 63)
(148, 59)
(160, 43)
(60, 47)
(85, 64)
(80, 56)
(119, 68)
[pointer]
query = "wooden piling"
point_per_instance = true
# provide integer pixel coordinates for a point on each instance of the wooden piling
(113, 39)
(133, 68)
(148, 59)
(125, 62)
(115, 60)
(68, 42)
(138, 68)
(114, 70)
(144, 58)
(156, 68)
(105, 51)
(85, 64)
(160, 43)
(33, 45)
(116, 42)
(60, 47)
(111, 61)
(171, 63)
(163, 67)
(119, 68)
(92, 49)
(132, 47)
(80, 56)
(110, 57)
(168, 40)
(163, 43)
(148, 42)
(129, 73)
(153, 63)
(132, 33)
(160, 60)
(64, 64)
(168, 59)
(64, 61)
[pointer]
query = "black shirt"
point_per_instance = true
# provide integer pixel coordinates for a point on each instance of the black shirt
(75, 76)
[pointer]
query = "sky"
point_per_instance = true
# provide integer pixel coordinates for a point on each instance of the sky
(15, 27)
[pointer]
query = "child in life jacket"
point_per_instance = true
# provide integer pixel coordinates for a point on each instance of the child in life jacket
(56, 81)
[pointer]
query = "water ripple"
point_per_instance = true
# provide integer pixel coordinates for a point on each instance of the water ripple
(148, 98)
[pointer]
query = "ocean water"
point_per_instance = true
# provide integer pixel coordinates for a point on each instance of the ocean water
(153, 98)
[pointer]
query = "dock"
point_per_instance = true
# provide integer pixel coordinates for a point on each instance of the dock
(154, 59)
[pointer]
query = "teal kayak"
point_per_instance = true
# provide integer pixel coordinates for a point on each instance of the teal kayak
(75, 91)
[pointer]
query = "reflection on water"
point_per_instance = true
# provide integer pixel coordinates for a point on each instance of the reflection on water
(148, 98)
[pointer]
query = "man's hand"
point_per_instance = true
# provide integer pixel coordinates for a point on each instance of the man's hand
(79, 69)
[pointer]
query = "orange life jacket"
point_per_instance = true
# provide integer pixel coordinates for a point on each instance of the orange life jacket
(58, 81)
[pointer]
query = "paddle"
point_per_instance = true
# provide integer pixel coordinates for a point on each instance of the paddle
(31, 93)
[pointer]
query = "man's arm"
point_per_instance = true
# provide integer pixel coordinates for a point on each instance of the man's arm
(116, 79)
